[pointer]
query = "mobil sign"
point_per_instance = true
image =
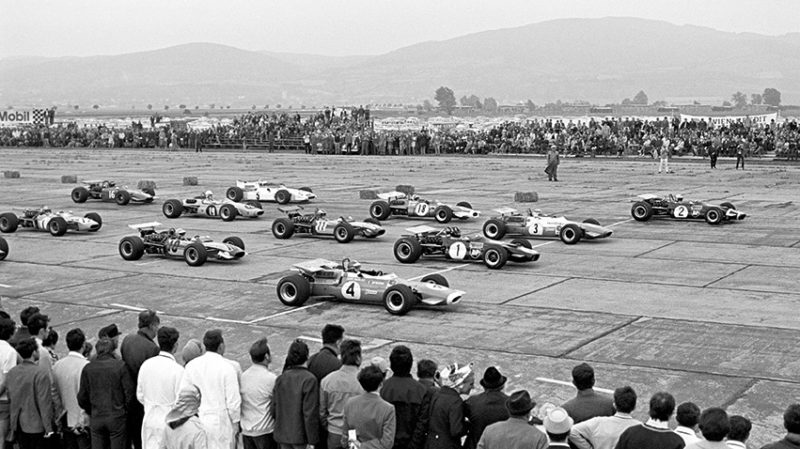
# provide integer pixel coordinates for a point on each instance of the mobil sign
(11, 117)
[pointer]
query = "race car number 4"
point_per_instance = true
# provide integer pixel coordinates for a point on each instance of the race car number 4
(351, 290)
(457, 250)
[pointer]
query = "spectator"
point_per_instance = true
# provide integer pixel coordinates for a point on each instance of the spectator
(8, 360)
(183, 428)
(257, 385)
(602, 432)
(739, 433)
(791, 421)
(106, 393)
(135, 350)
(447, 424)
(111, 331)
(368, 420)
(553, 160)
(215, 379)
(327, 360)
(22, 332)
(39, 327)
(655, 433)
(558, 425)
(687, 416)
(427, 375)
(714, 425)
(405, 394)
(30, 402)
(336, 388)
(67, 378)
(191, 350)
(486, 408)
(515, 432)
(157, 387)
(587, 403)
(296, 401)
(49, 344)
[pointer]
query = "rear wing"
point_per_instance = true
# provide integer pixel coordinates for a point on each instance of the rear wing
(392, 195)
(150, 225)
(645, 197)
(504, 211)
(290, 209)
(314, 265)
(89, 182)
(421, 229)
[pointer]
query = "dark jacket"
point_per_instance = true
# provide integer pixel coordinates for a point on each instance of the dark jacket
(446, 425)
(22, 333)
(406, 395)
(30, 403)
(135, 349)
(791, 441)
(295, 406)
(420, 434)
(587, 404)
(324, 362)
(482, 410)
(107, 389)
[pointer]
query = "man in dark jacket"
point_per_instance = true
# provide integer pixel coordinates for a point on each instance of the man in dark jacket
(135, 349)
(447, 424)
(587, 403)
(486, 408)
(791, 421)
(106, 393)
(327, 360)
(30, 402)
(405, 394)
(295, 402)
(427, 373)
(22, 331)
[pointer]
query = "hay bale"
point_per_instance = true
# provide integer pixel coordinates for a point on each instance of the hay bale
(526, 197)
(69, 179)
(146, 184)
(190, 180)
(407, 189)
(11, 174)
(369, 194)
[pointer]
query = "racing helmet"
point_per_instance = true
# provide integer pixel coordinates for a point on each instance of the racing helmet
(321, 212)
(454, 231)
(678, 197)
(208, 194)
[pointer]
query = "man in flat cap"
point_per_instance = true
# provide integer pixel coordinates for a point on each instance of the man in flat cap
(515, 432)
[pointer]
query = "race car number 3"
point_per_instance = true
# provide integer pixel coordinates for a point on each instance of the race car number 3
(351, 290)
(458, 250)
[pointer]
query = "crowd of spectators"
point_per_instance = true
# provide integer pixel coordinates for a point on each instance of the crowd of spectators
(136, 393)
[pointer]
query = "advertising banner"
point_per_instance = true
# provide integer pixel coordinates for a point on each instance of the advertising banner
(757, 119)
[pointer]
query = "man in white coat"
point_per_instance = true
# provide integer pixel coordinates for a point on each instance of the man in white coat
(220, 402)
(157, 388)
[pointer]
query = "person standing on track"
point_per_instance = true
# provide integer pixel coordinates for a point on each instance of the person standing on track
(553, 160)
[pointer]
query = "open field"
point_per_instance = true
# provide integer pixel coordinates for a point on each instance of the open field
(709, 313)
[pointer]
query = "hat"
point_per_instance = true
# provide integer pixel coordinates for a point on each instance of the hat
(109, 331)
(519, 403)
(492, 378)
(557, 421)
(454, 375)
(381, 363)
(187, 405)
(191, 350)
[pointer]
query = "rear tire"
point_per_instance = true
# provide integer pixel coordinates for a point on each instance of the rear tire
(149, 191)
(80, 194)
(3, 248)
(283, 196)
(95, 217)
(443, 214)
(195, 254)
(437, 279)
(407, 250)
(641, 211)
(8, 222)
(399, 299)
(172, 208)
(234, 194)
(122, 197)
(571, 234)
(495, 257)
(228, 212)
(380, 210)
(714, 216)
(57, 226)
(282, 228)
(494, 229)
(235, 241)
(131, 248)
(293, 290)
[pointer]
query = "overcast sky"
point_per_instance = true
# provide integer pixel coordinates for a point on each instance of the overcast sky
(334, 27)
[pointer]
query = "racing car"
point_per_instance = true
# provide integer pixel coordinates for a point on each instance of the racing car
(3, 248)
(347, 281)
(343, 229)
(44, 219)
(268, 191)
(398, 203)
(647, 206)
(536, 224)
(108, 191)
(448, 242)
(174, 243)
(206, 206)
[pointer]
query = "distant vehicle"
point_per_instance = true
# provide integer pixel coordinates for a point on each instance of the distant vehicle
(347, 281)
(398, 203)
(44, 219)
(536, 224)
(648, 206)
(173, 242)
(343, 229)
(450, 244)
(3, 248)
(268, 191)
(206, 206)
(108, 191)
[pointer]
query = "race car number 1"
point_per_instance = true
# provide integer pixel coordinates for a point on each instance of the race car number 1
(351, 290)
(681, 212)
(458, 250)
(422, 209)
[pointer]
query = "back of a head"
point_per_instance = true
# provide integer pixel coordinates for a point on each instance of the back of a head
(401, 360)
(167, 338)
(212, 340)
(583, 376)
(740, 428)
(426, 369)
(259, 350)
(662, 404)
(714, 424)
(37, 322)
(27, 313)
(350, 351)
(625, 399)
(27, 347)
(791, 418)
(75, 340)
(370, 378)
(51, 338)
(332, 333)
(105, 346)
(148, 318)
(297, 354)
(688, 414)
(7, 328)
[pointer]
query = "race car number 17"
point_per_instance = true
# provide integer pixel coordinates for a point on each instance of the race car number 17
(351, 290)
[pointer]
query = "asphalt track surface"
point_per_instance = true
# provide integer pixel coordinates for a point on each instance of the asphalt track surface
(708, 313)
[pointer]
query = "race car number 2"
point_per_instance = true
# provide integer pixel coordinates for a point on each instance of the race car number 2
(681, 212)
(422, 209)
(457, 250)
(351, 290)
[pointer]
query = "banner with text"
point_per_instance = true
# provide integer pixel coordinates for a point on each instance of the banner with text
(23, 117)
(748, 120)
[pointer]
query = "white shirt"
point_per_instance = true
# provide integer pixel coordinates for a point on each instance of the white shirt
(733, 444)
(157, 389)
(601, 432)
(67, 379)
(8, 360)
(689, 436)
(256, 387)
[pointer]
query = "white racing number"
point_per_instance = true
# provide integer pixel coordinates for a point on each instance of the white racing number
(457, 250)
(351, 290)
(321, 226)
(211, 211)
(422, 209)
(535, 229)
(680, 212)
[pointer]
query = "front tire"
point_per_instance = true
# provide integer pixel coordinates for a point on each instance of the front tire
(519, 258)
(235, 194)
(437, 279)
(344, 232)
(3, 248)
(228, 212)
(131, 248)
(293, 290)
(571, 234)
(443, 214)
(57, 226)
(235, 241)
(407, 250)
(714, 216)
(283, 196)
(172, 208)
(122, 197)
(282, 228)
(398, 299)
(8, 222)
(641, 211)
(494, 229)
(80, 194)
(495, 257)
(94, 216)
(195, 254)
(380, 210)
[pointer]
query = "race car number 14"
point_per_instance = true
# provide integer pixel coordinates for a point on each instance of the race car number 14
(351, 290)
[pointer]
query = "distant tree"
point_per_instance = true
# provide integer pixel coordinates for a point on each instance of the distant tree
(427, 106)
(739, 99)
(187, 111)
(196, 107)
(660, 103)
(266, 106)
(149, 107)
(626, 102)
(10, 107)
(97, 106)
(166, 107)
(55, 108)
(278, 106)
(212, 105)
(726, 103)
(640, 98)
(531, 107)
(446, 99)
(76, 107)
(771, 96)
(183, 106)
(696, 103)
(228, 107)
(756, 99)
(253, 107)
(464, 101)
(490, 104)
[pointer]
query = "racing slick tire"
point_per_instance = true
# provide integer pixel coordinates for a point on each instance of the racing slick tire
(122, 197)
(131, 248)
(641, 211)
(3, 248)
(8, 222)
(495, 257)
(150, 192)
(94, 216)
(344, 232)
(172, 208)
(282, 228)
(728, 205)
(293, 290)
(283, 196)
(592, 221)
(437, 279)
(80, 194)
(380, 210)
(195, 254)
(714, 216)
(407, 250)
(235, 194)
(443, 214)
(235, 241)
(228, 212)
(571, 234)
(306, 189)
(57, 226)
(464, 204)
(372, 221)
(494, 229)
(255, 204)
(519, 258)
(399, 299)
